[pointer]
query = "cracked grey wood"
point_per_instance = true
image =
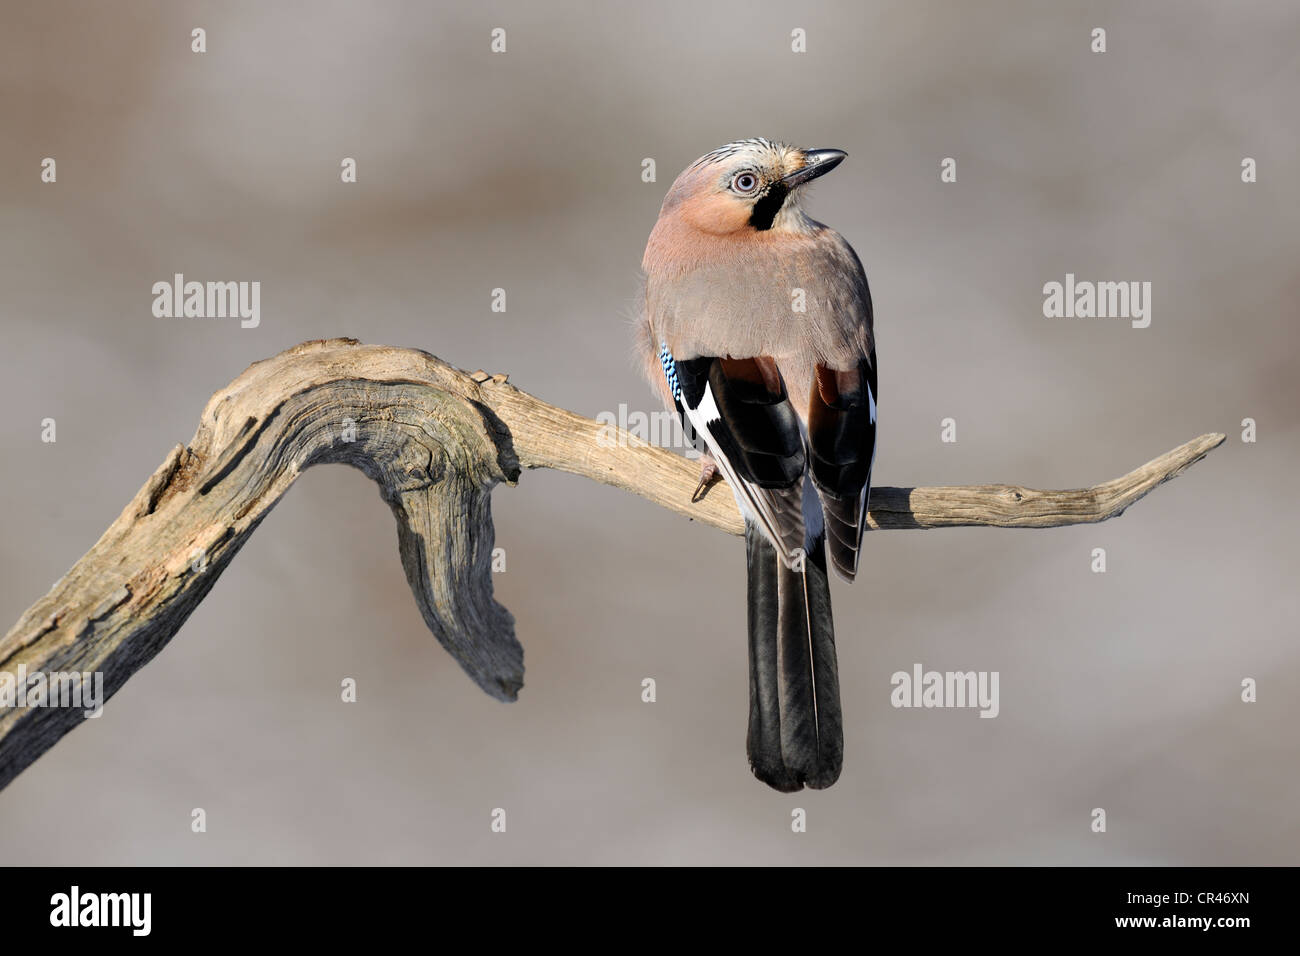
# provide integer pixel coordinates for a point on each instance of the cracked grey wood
(437, 441)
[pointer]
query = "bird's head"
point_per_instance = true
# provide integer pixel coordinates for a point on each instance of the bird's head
(751, 184)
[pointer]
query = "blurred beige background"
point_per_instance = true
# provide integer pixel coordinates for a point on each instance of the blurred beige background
(522, 171)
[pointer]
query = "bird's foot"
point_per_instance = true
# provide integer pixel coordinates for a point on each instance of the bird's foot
(708, 474)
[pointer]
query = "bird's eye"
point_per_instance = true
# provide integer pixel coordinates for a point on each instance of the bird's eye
(744, 182)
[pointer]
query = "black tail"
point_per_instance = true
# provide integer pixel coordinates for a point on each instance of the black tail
(796, 735)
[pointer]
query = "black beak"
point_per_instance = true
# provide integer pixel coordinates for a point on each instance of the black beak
(819, 163)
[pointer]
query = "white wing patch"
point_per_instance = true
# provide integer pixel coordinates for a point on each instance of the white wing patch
(754, 502)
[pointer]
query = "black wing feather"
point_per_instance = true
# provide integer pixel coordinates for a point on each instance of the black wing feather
(754, 435)
(842, 447)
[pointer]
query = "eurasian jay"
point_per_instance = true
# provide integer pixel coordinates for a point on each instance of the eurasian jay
(757, 331)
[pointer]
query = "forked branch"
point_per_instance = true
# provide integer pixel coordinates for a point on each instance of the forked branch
(437, 441)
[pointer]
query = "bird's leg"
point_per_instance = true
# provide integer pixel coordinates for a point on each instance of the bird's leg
(708, 473)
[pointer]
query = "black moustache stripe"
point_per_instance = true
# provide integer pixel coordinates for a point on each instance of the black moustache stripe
(768, 205)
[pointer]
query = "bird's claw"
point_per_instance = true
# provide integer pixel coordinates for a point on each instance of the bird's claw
(708, 473)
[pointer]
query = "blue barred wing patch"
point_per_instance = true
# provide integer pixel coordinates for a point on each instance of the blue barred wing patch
(670, 370)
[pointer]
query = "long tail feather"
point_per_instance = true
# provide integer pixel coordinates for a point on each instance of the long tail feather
(795, 726)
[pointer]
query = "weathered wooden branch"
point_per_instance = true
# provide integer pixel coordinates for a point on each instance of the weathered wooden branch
(436, 440)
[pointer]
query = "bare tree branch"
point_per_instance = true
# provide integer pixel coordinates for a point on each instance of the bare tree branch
(437, 441)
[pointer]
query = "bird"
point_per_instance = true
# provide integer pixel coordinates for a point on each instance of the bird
(756, 328)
